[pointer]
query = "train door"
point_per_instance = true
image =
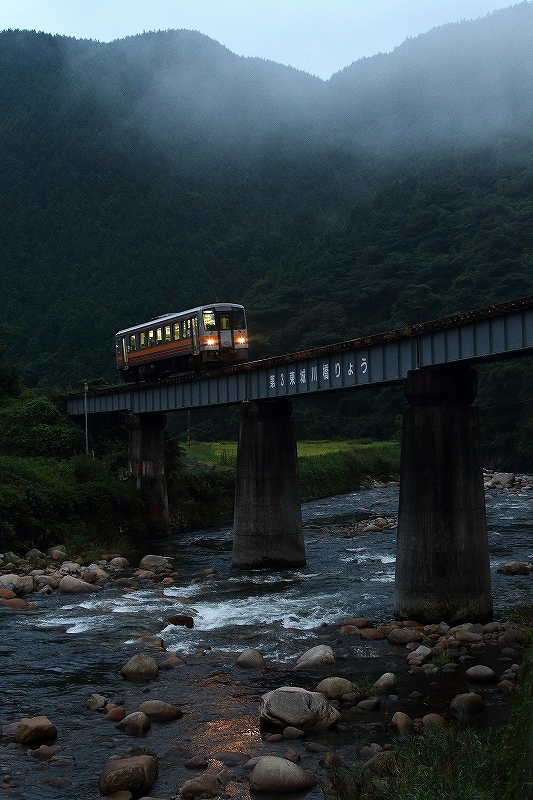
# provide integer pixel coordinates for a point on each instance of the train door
(224, 330)
(124, 349)
(194, 336)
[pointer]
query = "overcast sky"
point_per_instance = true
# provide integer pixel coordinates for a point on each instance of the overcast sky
(318, 36)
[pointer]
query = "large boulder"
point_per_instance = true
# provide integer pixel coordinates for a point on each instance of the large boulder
(136, 724)
(334, 688)
(159, 711)
(467, 703)
(404, 636)
(251, 659)
(153, 561)
(273, 774)
(71, 585)
(20, 584)
(386, 684)
(500, 480)
(136, 775)
(140, 668)
(480, 673)
(33, 730)
(316, 657)
(298, 708)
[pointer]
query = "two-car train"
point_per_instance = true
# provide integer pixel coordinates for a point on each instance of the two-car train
(196, 339)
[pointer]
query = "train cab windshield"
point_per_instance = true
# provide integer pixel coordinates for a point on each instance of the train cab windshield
(224, 320)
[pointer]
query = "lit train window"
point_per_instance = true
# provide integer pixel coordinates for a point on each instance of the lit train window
(223, 322)
(168, 337)
(142, 340)
(151, 338)
(209, 320)
(177, 331)
(133, 342)
(184, 329)
(159, 335)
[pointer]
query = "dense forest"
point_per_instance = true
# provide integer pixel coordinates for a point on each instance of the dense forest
(161, 171)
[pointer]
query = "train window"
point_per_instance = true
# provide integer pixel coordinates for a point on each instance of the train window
(168, 336)
(209, 320)
(188, 329)
(184, 329)
(176, 331)
(224, 322)
(142, 340)
(151, 338)
(133, 343)
(158, 335)
(239, 322)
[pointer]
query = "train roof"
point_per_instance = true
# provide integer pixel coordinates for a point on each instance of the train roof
(173, 315)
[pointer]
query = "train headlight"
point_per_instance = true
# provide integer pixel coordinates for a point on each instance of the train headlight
(211, 342)
(241, 339)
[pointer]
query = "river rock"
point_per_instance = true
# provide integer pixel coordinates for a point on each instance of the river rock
(181, 619)
(334, 688)
(468, 703)
(119, 562)
(70, 568)
(139, 668)
(19, 584)
(136, 774)
(402, 723)
(32, 730)
(251, 659)
(316, 657)
(273, 774)
(71, 585)
(136, 724)
(481, 674)
(404, 636)
(299, 708)
(17, 604)
(152, 562)
(500, 480)
(386, 684)
(467, 637)
(159, 711)
(203, 786)
(96, 702)
(371, 634)
(515, 568)
(114, 713)
(430, 721)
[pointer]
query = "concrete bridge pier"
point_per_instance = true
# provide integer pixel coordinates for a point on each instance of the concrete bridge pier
(442, 563)
(268, 515)
(146, 457)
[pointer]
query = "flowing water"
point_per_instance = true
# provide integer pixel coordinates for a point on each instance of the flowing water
(52, 659)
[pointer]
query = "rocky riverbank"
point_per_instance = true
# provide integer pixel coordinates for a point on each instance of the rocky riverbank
(211, 723)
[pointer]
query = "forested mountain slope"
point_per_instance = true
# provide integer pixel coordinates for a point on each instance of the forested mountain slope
(161, 171)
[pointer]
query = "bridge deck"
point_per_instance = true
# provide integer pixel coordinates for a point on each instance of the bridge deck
(487, 334)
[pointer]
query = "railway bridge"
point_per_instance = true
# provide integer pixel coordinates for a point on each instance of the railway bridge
(442, 564)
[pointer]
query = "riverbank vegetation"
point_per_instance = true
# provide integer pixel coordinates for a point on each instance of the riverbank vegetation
(204, 491)
(456, 762)
(52, 491)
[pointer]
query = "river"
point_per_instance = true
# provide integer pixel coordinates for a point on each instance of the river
(52, 659)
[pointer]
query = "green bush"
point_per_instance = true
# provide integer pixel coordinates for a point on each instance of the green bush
(33, 426)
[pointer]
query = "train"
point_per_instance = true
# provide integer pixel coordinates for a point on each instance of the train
(193, 340)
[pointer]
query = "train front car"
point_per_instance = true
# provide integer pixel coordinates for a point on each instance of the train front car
(223, 334)
(190, 340)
